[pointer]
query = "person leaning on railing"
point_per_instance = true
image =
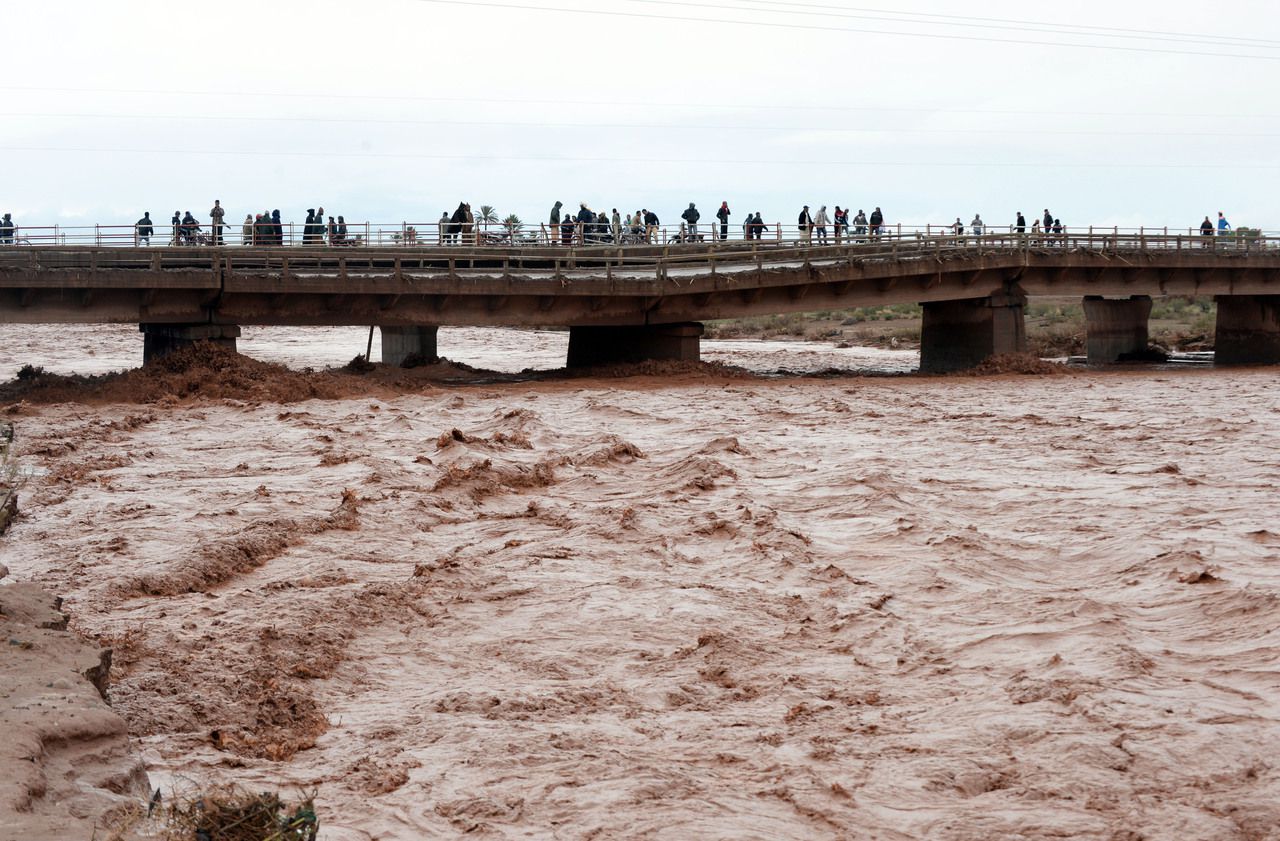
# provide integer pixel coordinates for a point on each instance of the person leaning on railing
(143, 230)
(6, 229)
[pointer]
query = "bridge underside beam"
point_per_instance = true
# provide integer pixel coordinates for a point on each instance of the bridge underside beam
(1116, 329)
(399, 343)
(1248, 331)
(590, 346)
(960, 334)
(163, 339)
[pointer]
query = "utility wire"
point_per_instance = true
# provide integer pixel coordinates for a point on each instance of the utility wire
(1066, 28)
(956, 21)
(817, 28)
(623, 126)
(923, 162)
(579, 103)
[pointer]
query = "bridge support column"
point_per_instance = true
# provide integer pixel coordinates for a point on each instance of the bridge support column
(398, 343)
(960, 334)
(609, 345)
(1116, 328)
(1248, 331)
(163, 339)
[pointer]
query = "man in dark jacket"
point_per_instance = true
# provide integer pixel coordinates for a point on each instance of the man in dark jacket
(650, 224)
(691, 216)
(1022, 223)
(277, 229)
(805, 224)
(1048, 220)
(877, 222)
(189, 228)
(143, 230)
(723, 215)
(6, 229)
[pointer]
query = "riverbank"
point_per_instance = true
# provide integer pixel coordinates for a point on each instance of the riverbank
(1055, 326)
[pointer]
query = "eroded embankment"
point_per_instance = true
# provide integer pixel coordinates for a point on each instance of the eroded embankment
(68, 767)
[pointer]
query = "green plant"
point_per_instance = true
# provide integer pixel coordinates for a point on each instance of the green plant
(487, 214)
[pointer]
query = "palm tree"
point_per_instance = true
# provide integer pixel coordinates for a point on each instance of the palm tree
(513, 224)
(487, 214)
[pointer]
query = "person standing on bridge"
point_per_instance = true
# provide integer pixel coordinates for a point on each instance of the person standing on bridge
(1048, 221)
(216, 213)
(723, 215)
(1224, 227)
(820, 224)
(615, 223)
(841, 219)
(651, 223)
(6, 229)
(143, 229)
(977, 224)
(877, 222)
(309, 227)
(804, 222)
(860, 225)
(1206, 230)
(246, 230)
(553, 223)
(691, 215)
(176, 221)
(1021, 224)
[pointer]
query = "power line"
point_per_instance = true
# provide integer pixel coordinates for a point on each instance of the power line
(594, 125)
(817, 28)
(924, 162)
(953, 21)
(1066, 28)
(579, 103)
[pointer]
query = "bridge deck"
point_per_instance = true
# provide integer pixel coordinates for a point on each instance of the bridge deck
(539, 286)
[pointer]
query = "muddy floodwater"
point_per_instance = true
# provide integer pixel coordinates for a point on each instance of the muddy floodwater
(688, 607)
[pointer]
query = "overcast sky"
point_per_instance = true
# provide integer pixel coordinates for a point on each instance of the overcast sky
(396, 110)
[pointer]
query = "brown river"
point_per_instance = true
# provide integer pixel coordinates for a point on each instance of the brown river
(712, 605)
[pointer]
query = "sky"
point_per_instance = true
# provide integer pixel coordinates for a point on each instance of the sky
(1135, 113)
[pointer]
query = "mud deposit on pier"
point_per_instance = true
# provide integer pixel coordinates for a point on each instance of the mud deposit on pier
(692, 607)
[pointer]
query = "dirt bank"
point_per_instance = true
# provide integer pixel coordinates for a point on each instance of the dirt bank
(69, 769)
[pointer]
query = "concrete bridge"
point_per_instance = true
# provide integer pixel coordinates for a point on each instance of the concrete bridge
(638, 302)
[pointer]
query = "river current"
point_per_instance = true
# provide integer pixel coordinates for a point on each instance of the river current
(723, 606)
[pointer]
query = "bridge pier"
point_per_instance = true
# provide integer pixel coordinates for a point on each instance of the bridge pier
(398, 343)
(1248, 330)
(960, 334)
(1115, 327)
(590, 346)
(163, 339)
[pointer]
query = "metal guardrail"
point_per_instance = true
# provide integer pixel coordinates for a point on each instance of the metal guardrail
(414, 235)
(667, 263)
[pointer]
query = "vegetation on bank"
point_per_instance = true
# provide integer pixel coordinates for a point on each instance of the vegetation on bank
(1055, 326)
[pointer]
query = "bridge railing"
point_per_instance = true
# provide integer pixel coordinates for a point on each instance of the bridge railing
(415, 235)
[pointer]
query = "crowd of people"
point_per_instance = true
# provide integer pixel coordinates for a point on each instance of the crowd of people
(586, 227)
